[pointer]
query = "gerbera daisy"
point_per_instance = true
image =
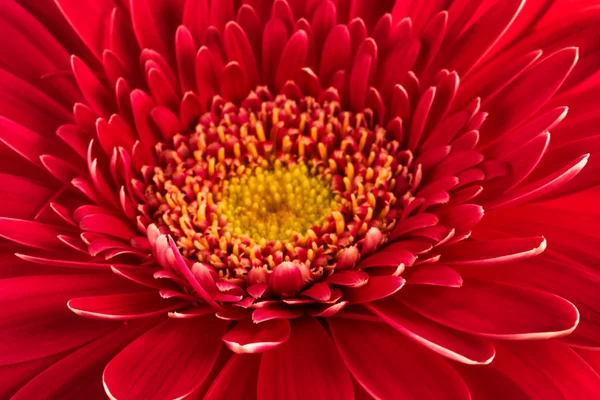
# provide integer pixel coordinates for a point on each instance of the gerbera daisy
(299, 199)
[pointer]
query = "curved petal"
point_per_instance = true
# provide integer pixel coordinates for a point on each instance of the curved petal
(248, 337)
(494, 310)
(181, 352)
(402, 369)
(124, 306)
(491, 252)
(453, 344)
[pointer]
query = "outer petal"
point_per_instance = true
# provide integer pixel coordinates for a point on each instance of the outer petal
(401, 369)
(78, 374)
(494, 310)
(307, 366)
(34, 319)
(237, 380)
(180, 352)
(124, 306)
(534, 370)
(455, 345)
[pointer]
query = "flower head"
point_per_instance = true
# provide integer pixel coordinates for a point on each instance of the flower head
(289, 199)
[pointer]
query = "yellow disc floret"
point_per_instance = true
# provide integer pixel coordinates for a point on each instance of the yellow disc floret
(277, 203)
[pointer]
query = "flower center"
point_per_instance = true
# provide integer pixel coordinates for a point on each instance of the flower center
(280, 179)
(275, 205)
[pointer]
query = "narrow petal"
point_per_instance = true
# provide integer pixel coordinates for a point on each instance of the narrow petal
(491, 252)
(124, 306)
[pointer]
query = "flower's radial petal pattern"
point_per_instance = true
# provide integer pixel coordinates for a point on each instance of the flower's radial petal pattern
(237, 380)
(377, 356)
(501, 311)
(540, 370)
(455, 345)
(181, 352)
(417, 172)
(304, 369)
(76, 375)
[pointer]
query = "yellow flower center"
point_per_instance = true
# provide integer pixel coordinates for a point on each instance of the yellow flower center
(276, 204)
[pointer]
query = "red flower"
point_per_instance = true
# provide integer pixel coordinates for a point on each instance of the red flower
(299, 199)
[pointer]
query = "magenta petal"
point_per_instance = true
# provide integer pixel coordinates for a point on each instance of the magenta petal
(306, 366)
(362, 342)
(248, 337)
(181, 352)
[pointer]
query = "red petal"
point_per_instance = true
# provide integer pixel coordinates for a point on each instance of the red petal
(241, 369)
(124, 306)
(490, 252)
(77, 375)
(88, 20)
(361, 342)
(306, 366)
(494, 310)
(36, 322)
(378, 287)
(436, 275)
(248, 337)
(181, 352)
(238, 49)
(293, 59)
(535, 370)
(453, 344)
(29, 233)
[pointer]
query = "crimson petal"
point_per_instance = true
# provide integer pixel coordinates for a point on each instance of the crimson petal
(248, 337)
(362, 342)
(180, 352)
(494, 310)
(306, 366)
